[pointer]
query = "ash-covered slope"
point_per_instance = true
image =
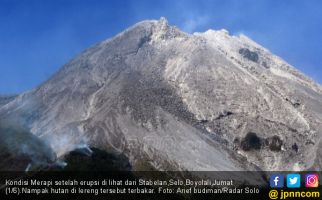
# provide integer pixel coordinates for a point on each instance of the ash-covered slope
(6, 99)
(175, 101)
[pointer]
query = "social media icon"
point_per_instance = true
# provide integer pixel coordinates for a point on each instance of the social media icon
(311, 180)
(276, 181)
(293, 180)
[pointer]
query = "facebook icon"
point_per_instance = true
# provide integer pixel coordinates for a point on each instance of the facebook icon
(276, 180)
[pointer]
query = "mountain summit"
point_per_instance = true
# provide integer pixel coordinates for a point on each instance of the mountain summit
(177, 101)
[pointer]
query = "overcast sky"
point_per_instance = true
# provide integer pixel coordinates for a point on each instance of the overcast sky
(38, 37)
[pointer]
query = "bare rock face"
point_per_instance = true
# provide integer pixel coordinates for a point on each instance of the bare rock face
(175, 101)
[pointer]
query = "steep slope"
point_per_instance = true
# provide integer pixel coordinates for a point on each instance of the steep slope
(207, 101)
(6, 99)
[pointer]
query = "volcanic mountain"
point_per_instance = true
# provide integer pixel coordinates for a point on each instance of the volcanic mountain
(170, 100)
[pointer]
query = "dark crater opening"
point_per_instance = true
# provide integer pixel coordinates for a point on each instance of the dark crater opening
(250, 55)
(274, 143)
(251, 142)
(295, 147)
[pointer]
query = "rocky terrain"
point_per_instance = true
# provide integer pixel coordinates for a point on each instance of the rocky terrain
(6, 99)
(169, 100)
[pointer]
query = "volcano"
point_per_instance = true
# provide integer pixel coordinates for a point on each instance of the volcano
(169, 100)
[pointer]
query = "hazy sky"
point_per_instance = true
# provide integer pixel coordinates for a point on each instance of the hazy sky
(38, 37)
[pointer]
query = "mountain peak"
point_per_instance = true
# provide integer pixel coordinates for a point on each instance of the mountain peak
(163, 31)
(163, 21)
